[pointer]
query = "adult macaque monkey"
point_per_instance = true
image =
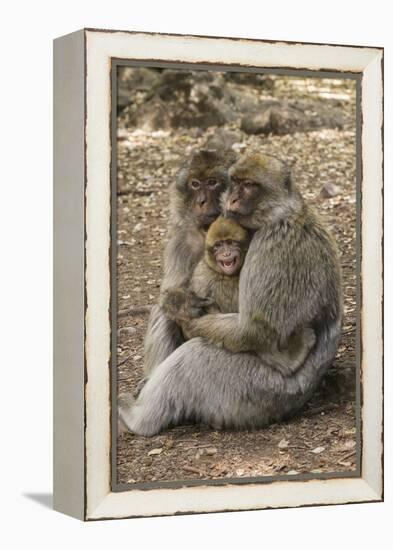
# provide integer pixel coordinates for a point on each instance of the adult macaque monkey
(194, 203)
(290, 279)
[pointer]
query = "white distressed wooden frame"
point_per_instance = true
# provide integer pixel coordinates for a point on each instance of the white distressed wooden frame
(82, 416)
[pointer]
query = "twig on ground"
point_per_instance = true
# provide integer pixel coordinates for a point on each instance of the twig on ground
(137, 310)
(193, 470)
(122, 363)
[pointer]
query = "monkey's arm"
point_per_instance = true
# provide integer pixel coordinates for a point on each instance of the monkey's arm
(226, 330)
(182, 253)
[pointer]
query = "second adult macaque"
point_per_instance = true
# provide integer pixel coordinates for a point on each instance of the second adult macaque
(195, 203)
(216, 280)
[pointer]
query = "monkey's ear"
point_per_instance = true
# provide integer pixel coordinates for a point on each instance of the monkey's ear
(182, 177)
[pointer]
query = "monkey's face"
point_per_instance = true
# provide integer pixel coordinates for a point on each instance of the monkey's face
(205, 198)
(226, 246)
(242, 197)
(258, 186)
(228, 256)
(202, 182)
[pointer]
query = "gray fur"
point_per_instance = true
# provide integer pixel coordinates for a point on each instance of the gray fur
(290, 280)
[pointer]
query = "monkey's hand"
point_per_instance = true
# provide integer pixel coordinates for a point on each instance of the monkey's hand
(181, 305)
(290, 358)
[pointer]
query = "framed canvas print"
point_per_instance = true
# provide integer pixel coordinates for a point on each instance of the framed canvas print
(218, 274)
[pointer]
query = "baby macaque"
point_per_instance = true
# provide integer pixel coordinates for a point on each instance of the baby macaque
(216, 276)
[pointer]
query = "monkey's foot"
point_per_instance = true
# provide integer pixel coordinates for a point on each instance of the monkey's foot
(132, 416)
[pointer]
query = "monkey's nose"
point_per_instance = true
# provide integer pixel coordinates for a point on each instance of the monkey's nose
(233, 201)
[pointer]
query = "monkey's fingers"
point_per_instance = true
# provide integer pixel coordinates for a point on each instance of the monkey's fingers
(174, 301)
(197, 301)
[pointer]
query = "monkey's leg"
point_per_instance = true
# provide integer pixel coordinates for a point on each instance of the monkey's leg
(191, 384)
(201, 383)
(290, 360)
(162, 337)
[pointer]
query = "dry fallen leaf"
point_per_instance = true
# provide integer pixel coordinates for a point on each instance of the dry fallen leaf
(318, 450)
(155, 452)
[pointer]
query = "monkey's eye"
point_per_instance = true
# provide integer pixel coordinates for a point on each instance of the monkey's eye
(249, 184)
(212, 182)
(195, 184)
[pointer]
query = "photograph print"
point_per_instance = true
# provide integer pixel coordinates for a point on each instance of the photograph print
(235, 271)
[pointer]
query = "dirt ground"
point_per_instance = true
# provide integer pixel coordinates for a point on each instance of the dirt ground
(322, 437)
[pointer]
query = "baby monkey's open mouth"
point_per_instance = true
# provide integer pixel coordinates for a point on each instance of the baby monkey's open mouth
(229, 265)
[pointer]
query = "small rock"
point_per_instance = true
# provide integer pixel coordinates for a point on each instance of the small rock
(138, 227)
(155, 452)
(211, 451)
(240, 472)
(223, 139)
(318, 450)
(137, 357)
(283, 444)
(256, 123)
(238, 146)
(293, 472)
(330, 190)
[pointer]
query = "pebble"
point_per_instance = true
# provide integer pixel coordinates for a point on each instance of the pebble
(318, 450)
(211, 451)
(138, 227)
(330, 190)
